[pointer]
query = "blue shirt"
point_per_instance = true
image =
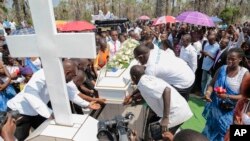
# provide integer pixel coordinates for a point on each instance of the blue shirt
(157, 42)
(212, 50)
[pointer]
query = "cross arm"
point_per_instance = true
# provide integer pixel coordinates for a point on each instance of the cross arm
(22, 45)
(77, 45)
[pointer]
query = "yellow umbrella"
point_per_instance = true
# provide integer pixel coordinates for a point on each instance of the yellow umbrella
(60, 23)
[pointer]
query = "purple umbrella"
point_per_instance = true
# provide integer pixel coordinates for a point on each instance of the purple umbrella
(197, 18)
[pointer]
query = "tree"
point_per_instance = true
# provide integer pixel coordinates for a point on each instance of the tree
(158, 8)
(168, 7)
(16, 5)
(132, 9)
(3, 9)
(229, 14)
(62, 11)
(226, 3)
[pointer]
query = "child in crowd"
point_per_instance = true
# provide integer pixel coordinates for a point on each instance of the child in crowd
(27, 73)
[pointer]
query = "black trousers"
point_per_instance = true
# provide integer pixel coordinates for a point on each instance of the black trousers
(25, 123)
(185, 92)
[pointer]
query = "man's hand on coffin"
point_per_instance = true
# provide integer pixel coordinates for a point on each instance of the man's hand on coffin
(133, 136)
(51, 116)
(168, 136)
(94, 106)
(100, 100)
(127, 100)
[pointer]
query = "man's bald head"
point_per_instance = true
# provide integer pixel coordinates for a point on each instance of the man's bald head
(81, 63)
(79, 78)
(189, 135)
(141, 53)
(68, 64)
(136, 72)
(70, 69)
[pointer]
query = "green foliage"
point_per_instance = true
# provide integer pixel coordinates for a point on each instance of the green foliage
(230, 14)
(3, 11)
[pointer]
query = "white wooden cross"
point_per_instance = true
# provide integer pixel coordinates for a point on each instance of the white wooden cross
(50, 46)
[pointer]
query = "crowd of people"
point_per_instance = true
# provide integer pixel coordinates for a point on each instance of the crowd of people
(175, 60)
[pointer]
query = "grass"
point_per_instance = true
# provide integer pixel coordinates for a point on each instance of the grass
(197, 122)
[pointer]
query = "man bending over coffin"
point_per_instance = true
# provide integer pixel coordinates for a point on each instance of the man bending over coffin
(32, 101)
(162, 98)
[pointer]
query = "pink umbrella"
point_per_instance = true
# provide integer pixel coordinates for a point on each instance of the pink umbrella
(164, 20)
(144, 17)
(197, 18)
(77, 26)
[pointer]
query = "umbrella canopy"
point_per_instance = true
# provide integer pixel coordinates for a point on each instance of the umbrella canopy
(197, 18)
(60, 23)
(23, 31)
(164, 20)
(144, 17)
(77, 26)
(215, 19)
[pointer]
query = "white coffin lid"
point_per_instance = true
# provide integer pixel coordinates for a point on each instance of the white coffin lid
(119, 79)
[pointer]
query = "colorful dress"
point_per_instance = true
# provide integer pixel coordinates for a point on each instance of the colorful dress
(29, 63)
(218, 119)
(102, 58)
(6, 95)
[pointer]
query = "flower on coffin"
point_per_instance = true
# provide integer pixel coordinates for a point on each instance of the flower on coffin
(125, 55)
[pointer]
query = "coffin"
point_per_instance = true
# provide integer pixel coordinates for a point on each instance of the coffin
(113, 82)
(114, 85)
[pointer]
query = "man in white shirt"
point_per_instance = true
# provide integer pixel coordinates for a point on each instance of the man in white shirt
(114, 44)
(137, 29)
(32, 101)
(171, 69)
(188, 52)
(162, 98)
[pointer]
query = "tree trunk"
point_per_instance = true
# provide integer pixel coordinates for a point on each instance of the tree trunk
(226, 2)
(167, 8)
(18, 14)
(119, 9)
(241, 2)
(3, 9)
(105, 10)
(77, 10)
(173, 7)
(26, 10)
(113, 7)
(159, 8)
(95, 7)
(98, 6)
(199, 5)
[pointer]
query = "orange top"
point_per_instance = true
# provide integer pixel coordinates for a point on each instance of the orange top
(101, 58)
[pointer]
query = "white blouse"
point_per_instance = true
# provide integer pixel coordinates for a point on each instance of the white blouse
(235, 82)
